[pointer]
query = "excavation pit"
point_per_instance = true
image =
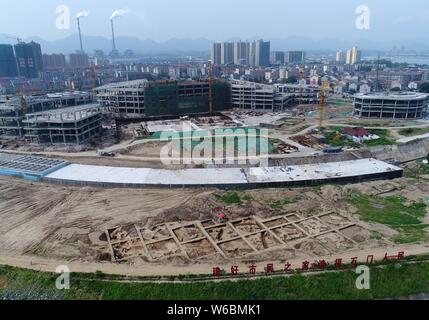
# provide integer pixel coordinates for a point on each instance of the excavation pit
(313, 226)
(163, 249)
(199, 249)
(188, 233)
(222, 233)
(155, 233)
(122, 233)
(356, 233)
(128, 249)
(288, 233)
(334, 241)
(263, 240)
(247, 226)
(236, 248)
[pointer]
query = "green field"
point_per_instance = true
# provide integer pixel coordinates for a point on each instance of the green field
(409, 132)
(392, 280)
(395, 213)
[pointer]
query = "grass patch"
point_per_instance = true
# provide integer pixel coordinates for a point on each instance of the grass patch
(279, 204)
(366, 124)
(229, 198)
(386, 282)
(247, 197)
(393, 212)
(413, 131)
(385, 138)
(417, 171)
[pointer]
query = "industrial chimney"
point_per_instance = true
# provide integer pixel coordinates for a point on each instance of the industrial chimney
(81, 15)
(80, 35)
(113, 36)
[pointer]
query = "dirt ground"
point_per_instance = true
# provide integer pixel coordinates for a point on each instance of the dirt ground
(69, 222)
(50, 222)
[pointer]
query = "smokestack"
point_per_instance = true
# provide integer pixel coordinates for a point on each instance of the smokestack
(78, 16)
(113, 35)
(80, 35)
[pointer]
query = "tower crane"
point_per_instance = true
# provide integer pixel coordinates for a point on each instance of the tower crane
(15, 38)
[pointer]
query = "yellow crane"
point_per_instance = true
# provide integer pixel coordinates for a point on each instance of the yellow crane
(323, 90)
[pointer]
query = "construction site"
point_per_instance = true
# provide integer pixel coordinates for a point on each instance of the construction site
(326, 185)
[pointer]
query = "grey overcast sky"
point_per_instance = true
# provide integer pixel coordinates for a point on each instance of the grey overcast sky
(221, 19)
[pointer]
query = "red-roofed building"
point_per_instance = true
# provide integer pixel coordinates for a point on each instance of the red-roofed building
(358, 134)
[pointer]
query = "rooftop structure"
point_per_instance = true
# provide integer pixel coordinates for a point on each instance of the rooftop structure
(346, 171)
(404, 105)
(28, 167)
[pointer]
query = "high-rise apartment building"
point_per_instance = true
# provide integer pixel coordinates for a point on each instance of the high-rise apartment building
(54, 61)
(8, 66)
(294, 56)
(37, 51)
(78, 60)
(255, 53)
(262, 53)
(241, 53)
(28, 57)
(277, 57)
(227, 53)
(216, 53)
(353, 56)
(341, 56)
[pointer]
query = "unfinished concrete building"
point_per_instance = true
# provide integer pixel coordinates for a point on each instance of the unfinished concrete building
(172, 98)
(258, 97)
(405, 105)
(140, 98)
(13, 109)
(125, 99)
(73, 125)
(303, 93)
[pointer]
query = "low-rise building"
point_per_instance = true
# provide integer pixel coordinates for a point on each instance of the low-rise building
(404, 105)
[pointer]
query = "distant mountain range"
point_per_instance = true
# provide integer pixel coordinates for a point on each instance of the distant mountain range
(71, 44)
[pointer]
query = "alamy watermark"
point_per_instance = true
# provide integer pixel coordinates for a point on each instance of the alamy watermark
(62, 21)
(63, 280)
(363, 280)
(220, 146)
(363, 20)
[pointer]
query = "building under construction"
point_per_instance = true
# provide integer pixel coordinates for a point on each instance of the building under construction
(125, 99)
(259, 97)
(140, 98)
(404, 105)
(303, 93)
(14, 109)
(173, 98)
(72, 125)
